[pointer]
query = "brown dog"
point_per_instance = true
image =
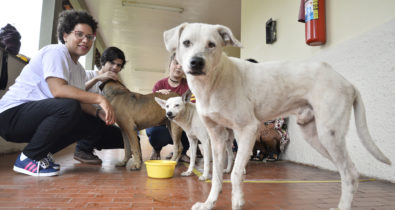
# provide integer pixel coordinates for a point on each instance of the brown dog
(135, 112)
(268, 141)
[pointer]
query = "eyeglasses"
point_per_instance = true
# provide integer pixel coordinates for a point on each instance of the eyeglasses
(80, 35)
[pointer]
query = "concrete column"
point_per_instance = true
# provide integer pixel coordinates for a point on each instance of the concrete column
(49, 20)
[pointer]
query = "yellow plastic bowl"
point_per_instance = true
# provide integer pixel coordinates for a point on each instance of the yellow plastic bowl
(160, 168)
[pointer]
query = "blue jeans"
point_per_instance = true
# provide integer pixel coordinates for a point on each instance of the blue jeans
(159, 136)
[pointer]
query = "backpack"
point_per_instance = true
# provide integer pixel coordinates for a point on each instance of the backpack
(10, 39)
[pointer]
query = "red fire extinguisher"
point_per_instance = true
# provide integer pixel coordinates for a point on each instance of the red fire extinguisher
(315, 22)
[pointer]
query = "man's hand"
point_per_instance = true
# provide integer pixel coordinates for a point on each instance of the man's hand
(60, 89)
(107, 76)
(164, 91)
(107, 113)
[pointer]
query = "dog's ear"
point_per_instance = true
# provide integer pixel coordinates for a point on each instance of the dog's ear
(227, 36)
(186, 97)
(172, 36)
(162, 103)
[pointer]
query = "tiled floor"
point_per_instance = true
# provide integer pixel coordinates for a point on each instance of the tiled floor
(271, 185)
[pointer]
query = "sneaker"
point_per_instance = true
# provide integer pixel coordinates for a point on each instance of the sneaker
(34, 168)
(52, 163)
(185, 159)
(86, 157)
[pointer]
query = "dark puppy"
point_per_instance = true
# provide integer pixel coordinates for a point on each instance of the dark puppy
(268, 143)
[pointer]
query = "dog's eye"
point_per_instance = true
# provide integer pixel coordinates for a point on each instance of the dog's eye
(211, 45)
(187, 43)
(177, 105)
(167, 106)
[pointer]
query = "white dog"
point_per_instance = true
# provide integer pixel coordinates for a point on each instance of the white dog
(184, 114)
(237, 94)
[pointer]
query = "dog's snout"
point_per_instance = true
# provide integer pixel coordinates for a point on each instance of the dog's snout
(197, 64)
(169, 114)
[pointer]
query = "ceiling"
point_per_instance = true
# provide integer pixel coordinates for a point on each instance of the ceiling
(139, 32)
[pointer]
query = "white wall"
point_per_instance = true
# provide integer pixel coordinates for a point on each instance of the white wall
(143, 81)
(360, 46)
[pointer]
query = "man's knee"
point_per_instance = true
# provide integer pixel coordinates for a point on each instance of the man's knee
(67, 109)
(69, 105)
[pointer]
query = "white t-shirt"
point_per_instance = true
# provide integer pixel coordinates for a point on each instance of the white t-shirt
(90, 74)
(30, 85)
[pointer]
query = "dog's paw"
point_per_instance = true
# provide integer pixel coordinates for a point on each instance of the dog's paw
(121, 164)
(201, 206)
(186, 173)
(237, 201)
(203, 178)
(135, 166)
(238, 205)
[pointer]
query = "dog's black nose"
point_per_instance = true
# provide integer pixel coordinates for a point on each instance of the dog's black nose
(197, 64)
(169, 114)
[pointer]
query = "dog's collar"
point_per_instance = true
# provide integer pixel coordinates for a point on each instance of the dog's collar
(101, 86)
(174, 81)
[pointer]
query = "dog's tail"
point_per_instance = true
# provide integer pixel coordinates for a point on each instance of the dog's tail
(363, 132)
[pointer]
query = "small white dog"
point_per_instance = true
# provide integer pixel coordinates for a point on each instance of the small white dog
(237, 94)
(184, 114)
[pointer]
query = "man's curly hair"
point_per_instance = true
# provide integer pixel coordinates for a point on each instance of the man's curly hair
(68, 19)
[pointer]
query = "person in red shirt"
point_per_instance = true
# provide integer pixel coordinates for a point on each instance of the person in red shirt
(159, 136)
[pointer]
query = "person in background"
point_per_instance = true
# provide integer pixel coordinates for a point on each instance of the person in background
(48, 107)
(112, 62)
(159, 136)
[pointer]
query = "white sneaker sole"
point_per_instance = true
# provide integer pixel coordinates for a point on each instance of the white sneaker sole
(23, 171)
